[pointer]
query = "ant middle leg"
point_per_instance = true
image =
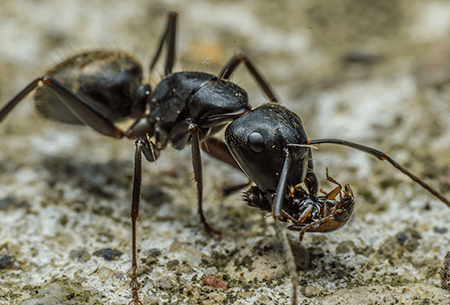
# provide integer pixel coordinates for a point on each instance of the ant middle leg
(169, 38)
(234, 62)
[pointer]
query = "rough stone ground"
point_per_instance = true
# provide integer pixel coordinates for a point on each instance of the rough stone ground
(373, 72)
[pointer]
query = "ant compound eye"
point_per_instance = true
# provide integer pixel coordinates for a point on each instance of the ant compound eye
(256, 142)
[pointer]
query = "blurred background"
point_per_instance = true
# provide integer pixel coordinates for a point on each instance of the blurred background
(372, 72)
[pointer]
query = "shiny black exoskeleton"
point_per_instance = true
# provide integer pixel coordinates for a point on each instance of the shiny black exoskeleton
(268, 143)
(101, 88)
(263, 136)
(200, 98)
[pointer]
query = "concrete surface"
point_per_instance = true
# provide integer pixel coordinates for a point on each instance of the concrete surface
(373, 72)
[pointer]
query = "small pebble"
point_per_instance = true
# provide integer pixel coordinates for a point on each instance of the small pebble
(81, 256)
(104, 273)
(108, 254)
(7, 261)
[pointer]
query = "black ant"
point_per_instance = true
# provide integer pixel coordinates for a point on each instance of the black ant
(99, 88)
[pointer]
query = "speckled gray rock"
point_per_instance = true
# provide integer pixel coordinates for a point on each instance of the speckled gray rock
(373, 72)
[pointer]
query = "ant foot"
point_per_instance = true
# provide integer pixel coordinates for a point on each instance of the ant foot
(211, 231)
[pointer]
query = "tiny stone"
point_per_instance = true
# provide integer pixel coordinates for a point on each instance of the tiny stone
(211, 271)
(6, 261)
(218, 297)
(155, 252)
(172, 264)
(104, 273)
(311, 291)
(81, 256)
(108, 254)
(401, 237)
(440, 230)
(165, 282)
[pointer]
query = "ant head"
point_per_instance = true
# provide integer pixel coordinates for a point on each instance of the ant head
(259, 140)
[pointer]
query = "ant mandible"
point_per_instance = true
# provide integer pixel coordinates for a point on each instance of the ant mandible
(98, 88)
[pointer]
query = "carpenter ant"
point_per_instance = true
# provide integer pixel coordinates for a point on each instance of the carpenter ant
(99, 88)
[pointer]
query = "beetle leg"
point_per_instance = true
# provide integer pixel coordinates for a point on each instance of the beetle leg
(306, 213)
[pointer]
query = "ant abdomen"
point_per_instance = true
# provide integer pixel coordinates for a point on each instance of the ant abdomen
(107, 79)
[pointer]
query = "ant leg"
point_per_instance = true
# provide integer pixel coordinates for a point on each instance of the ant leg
(289, 259)
(219, 150)
(197, 163)
(180, 135)
(282, 183)
(18, 98)
(84, 111)
(146, 147)
(382, 156)
(276, 209)
(141, 145)
(169, 38)
(231, 66)
(311, 183)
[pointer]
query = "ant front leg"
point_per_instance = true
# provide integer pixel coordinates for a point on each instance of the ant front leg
(181, 134)
(277, 215)
(146, 147)
(311, 183)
